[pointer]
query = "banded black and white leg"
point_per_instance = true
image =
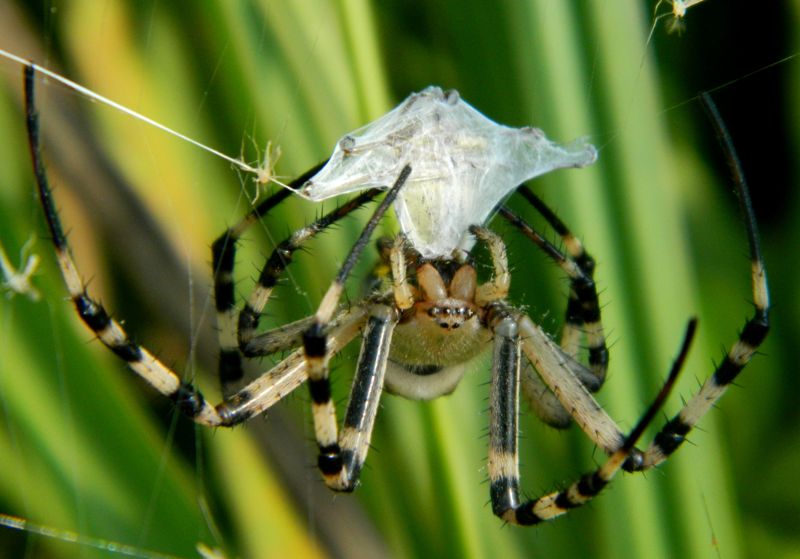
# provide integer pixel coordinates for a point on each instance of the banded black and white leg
(506, 324)
(560, 386)
(504, 411)
(582, 315)
(251, 400)
(238, 338)
(342, 454)
(513, 333)
(276, 264)
(544, 402)
(755, 330)
(223, 252)
(108, 330)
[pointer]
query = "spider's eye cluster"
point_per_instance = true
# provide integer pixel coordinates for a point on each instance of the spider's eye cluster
(450, 317)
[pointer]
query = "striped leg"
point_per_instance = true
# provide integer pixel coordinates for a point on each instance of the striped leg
(237, 329)
(583, 308)
(253, 399)
(317, 352)
(223, 260)
(541, 398)
(503, 457)
(341, 455)
(751, 337)
(503, 417)
(108, 330)
(276, 264)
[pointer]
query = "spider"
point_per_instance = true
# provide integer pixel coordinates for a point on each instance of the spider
(426, 316)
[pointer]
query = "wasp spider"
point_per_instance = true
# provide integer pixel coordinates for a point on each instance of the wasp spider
(427, 316)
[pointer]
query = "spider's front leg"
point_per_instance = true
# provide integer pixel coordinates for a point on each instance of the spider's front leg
(341, 455)
(503, 415)
(503, 430)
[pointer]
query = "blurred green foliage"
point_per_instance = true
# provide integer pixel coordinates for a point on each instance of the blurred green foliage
(88, 449)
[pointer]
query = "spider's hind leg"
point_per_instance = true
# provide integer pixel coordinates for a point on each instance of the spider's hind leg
(503, 459)
(582, 315)
(237, 328)
(223, 252)
(109, 331)
(755, 330)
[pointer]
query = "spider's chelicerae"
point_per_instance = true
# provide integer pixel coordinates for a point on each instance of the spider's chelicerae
(427, 317)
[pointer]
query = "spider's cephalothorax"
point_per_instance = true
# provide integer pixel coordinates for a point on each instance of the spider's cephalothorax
(428, 316)
(441, 327)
